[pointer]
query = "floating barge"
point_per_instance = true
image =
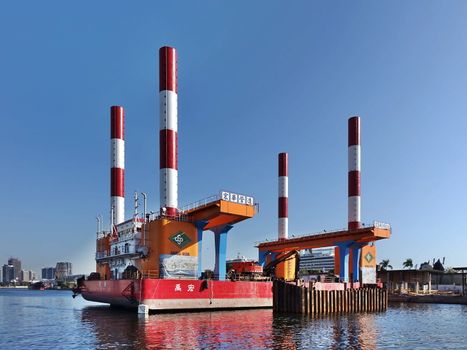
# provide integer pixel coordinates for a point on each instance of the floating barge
(165, 294)
(152, 261)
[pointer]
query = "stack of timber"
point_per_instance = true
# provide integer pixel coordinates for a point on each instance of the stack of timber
(291, 298)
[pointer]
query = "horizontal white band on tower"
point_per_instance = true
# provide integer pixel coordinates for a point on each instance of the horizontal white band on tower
(117, 153)
(283, 186)
(354, 209)
(354, 158)
(283, 228)
(118, 204)
(168, 110)
(169, 187)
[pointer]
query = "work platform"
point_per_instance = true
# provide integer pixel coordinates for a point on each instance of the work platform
(329, 239)
(217, 212)
(355, 253)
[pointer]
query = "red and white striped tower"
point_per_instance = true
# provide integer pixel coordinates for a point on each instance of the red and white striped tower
(354, 173)
(168, 138)
(117, 161)
(283, 230)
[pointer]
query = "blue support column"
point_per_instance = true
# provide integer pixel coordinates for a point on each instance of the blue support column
(355, 264)
(262, 254)
(356, 252)
(220, 238)
(344, 261)
(200, 228)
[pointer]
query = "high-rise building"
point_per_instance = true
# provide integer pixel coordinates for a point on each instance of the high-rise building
(17, 265)
(62, 271)
(48, 273)
(27, 276)
(320, 259)
(8, 272)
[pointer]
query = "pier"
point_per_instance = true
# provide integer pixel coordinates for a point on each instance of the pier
(305, 299)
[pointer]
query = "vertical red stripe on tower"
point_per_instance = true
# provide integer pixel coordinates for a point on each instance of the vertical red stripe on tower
(117, 179)
(283, 207)
(168, 69)
(283, 164)
(354, 131)
(168, 141)
(117, 122)
(354, 183)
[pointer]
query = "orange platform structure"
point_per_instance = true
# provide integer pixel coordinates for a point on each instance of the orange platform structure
(352, 248)
(355, 253)
(164, 241)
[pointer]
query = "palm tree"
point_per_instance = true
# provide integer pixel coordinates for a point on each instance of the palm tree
(384, 265)
(408, 264)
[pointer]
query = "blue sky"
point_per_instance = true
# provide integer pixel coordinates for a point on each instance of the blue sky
(255, 79)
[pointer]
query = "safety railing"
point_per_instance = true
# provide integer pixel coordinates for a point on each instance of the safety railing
(243, 277)
(177, 217)
(131, 250)
(201, 203)
(102, 255)
(214, 198)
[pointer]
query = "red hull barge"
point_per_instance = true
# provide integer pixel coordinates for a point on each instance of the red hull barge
(153, 261)
(179, 294)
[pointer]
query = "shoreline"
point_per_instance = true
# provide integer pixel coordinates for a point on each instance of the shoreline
(27, 288)
(428, 299)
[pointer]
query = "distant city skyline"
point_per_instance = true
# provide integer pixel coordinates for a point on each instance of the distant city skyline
(14, 269)
(255, 79)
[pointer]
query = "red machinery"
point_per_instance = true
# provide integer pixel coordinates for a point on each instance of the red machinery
(244, 269)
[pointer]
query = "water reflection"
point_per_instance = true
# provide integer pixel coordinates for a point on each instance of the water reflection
(209, 330)
(356, 331)
(53, 320)
(247, 329)
(205, 330)
(331, 332)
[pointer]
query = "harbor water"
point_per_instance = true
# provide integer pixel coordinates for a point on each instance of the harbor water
(54, 320)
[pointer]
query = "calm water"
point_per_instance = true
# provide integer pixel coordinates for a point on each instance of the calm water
(53, 320)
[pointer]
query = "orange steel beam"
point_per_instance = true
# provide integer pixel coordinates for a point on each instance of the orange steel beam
(218, 213)
(362, 235)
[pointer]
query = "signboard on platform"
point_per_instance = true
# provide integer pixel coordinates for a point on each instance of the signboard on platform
(178, 266)
(237, 198)
(368, 264)
(368, 275)
(382, 225)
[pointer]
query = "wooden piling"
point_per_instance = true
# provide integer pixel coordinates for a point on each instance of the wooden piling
(291, 298)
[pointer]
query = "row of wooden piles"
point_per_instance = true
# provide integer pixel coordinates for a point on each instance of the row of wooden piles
(290, 298)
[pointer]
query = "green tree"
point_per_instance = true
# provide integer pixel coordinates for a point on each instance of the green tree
(408, 264)
(384, 265)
